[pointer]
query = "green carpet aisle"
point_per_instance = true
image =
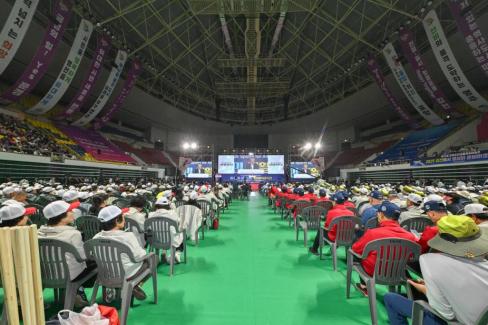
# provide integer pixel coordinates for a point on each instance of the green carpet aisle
(252, 271)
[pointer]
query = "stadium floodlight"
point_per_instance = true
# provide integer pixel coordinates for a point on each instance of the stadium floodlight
(251, 154)
(318, 145)
(194, 145)
(186, 145)
(308, 146)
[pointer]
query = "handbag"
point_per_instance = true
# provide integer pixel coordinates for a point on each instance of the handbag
(89, 316)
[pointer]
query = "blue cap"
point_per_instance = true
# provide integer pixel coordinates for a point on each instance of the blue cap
(434, 206)
(300, 191)
(322, 192)
(390, 210)
(346, 194)
(376, 195)
(338, 198)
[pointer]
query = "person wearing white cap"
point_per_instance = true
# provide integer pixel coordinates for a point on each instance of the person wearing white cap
(60, 217)
(163, 209)
(413, 208)
(479, 213)
(71, 196)
(113, 224)
(15, 215)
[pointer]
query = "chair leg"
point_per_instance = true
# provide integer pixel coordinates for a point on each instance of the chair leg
(70, 295)
(296, 233)
(172, 261)
(370, 284)
(305, 239)
(196, 237)
(185, 249)
(94, 293)
(333, 250)
(349, 275)
(155, 282)
(56, 295)
(126, 296)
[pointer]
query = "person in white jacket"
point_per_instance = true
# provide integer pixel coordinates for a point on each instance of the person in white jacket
(60, 217)
(136, 213)
(163, 209)
(113, 224)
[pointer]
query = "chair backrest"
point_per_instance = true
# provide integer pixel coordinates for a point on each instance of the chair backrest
(325, 204)
(184, 210)
(179, 203)
(54, 268)
(300, 205)
(392, 256)
(205, 206)
(313, 216)
(345, 229)
(133, 226)
(371, 223)
(418, 224)
(89, 226)
(158, 231)
(107, 253)
(122, 203)
(353, 210)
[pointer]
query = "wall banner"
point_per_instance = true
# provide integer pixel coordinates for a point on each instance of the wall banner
(44, 54)
(377, 75)
(106, 91)
(68, 72)
(14, 30)
(415, 60)
(407, 87)
(103, 46)
(449, 65)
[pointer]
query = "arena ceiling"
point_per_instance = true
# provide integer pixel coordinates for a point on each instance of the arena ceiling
(243, 61)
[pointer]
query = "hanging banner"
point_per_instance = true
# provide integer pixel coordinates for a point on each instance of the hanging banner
(407, 87)
(413, 57)
(44, 55)
(466, 23)
(377, 75)
(449, 65)
(103, 46)
(106, 91)
(14, 30)
(132, 75)
(68, 72)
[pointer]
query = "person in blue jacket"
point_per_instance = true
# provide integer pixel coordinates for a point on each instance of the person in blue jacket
(375, 199)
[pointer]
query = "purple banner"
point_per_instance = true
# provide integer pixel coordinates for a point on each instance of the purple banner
(466, 23)
(377, 75)
(129, 83)
(417, 63)
(44, 55)
(103, 47)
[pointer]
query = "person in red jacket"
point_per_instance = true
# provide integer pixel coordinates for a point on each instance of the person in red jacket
(300, 197)
(388, 214)
(322, 196)
(435, 210)
(310, 194)
(338, 210)
(347, 203)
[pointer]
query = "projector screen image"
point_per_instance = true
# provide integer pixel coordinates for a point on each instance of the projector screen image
(303, 170)
(251, 165)
(199, 169)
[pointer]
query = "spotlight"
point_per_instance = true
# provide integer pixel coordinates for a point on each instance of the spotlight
(193, 145)
(186, 145)
(318, 145)
(251, 154)
(308, 146)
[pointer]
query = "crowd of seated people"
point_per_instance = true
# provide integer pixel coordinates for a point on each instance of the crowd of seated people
(455, 240)
(112, 204)
(19, 137)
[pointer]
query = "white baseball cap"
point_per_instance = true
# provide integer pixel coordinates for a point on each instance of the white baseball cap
(57, 208)
(415, 198)
(70, 195)
(9, 190)
(47, 189)
(475, 208)
(14, 211)
(193, 195)
(162, 201)
(110, 212)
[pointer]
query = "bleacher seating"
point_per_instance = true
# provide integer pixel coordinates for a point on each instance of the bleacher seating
(148, 155)
(96, 145)
(417, 142)
(355, 156)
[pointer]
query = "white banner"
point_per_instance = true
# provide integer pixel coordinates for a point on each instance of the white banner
(408, 89)
(106, 92)
(68, 71)
(14, 30)
(449, 65)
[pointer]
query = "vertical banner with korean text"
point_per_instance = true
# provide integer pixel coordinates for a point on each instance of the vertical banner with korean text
(407, 87)
(415, 60)
(103, 46)
(377, 75)
(106, 91)
(14, 30)
(449, 65)
(67, 73)
(44, 55)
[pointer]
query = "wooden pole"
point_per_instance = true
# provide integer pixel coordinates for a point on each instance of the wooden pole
(36, 274)
(8, 277)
